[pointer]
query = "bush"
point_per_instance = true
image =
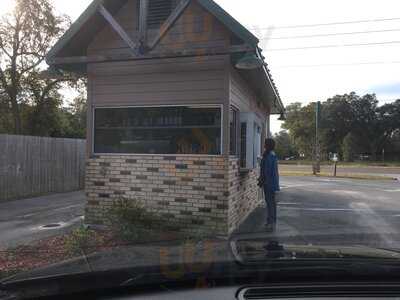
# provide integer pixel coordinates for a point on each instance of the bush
(81, 240)
(130, 221)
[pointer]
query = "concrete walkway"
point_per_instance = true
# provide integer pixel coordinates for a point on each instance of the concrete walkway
(22, 221)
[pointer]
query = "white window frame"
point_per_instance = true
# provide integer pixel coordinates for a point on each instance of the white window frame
(238, 124)
(220, 106)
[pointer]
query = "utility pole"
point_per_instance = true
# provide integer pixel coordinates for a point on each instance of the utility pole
(317, 150)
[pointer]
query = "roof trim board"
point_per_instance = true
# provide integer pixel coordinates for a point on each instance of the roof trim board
(117, 28)
(75, 28)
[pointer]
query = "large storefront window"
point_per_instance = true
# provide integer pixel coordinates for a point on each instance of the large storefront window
(158, 130)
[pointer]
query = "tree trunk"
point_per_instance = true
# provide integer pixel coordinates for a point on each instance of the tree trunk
(374, 150)
(16, 115)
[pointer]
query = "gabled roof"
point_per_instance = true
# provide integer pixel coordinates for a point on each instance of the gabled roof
(90, 22)
(113, 5)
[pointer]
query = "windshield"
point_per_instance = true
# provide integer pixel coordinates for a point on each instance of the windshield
(149, 133)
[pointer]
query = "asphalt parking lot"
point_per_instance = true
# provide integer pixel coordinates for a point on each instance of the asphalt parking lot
(327, 211)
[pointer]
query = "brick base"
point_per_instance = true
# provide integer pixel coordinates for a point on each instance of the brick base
(191, 190)
(196, 192)
(244, 194)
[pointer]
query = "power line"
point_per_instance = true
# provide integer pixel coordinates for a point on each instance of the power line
(329, 24)
(334, 46)
(330, 34)
(338, 65)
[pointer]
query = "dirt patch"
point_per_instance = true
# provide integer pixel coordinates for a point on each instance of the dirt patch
(60, 248)
(49, 251)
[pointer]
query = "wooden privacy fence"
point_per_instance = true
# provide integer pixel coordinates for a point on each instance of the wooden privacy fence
(33, 166)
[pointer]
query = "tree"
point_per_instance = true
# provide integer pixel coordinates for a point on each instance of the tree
(300, 123)
(26, 35)
(76, 113)
(373, 125)
(5, 117)
(336, 122)
(347, 121)
(350, 147)
(284, 145)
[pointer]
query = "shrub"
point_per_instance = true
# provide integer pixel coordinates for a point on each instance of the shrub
(130, 221)
(81, 240)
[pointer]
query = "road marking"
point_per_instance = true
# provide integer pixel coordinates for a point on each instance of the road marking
(322, 209)
(348, 192)
(50, 210)
(288, 203)
(392, 191)
(285, 187)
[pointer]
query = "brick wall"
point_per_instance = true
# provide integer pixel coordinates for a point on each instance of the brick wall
(244, 194)
(193, 190)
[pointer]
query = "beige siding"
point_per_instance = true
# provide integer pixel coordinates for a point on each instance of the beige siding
(242, 96)
(154, 82)
(179, 81)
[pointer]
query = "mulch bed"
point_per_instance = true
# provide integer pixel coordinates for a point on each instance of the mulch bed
(58, 249)
(50, 251)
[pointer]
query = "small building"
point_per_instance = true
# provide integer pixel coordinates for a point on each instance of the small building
(179, 100)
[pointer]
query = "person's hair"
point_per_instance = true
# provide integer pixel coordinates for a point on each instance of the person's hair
(269, 145)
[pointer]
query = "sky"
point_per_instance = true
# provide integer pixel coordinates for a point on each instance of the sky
(317, 72)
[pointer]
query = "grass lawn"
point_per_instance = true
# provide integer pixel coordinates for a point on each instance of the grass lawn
(348, 176)
(346, 164)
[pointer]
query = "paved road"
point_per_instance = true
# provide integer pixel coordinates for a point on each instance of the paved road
(21, 221)
(390, 171)
(311, 211)
(326, 211)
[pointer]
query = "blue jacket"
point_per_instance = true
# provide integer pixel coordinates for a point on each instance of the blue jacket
(269, 170)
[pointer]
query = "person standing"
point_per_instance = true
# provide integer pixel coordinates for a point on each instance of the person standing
(269, 181)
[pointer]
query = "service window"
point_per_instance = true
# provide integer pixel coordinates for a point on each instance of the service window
(158, 130)
(234, 131)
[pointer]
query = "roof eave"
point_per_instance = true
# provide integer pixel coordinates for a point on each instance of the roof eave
(267, 76)
(74, 29)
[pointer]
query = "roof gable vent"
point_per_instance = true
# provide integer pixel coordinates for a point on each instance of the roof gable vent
(159, 11)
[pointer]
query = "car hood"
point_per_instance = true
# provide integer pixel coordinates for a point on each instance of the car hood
(240, 251)
(233, 260)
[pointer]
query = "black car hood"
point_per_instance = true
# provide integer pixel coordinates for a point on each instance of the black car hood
(240, 251)
(145, 264)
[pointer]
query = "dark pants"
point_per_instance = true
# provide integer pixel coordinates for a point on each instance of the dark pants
(271, 206)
